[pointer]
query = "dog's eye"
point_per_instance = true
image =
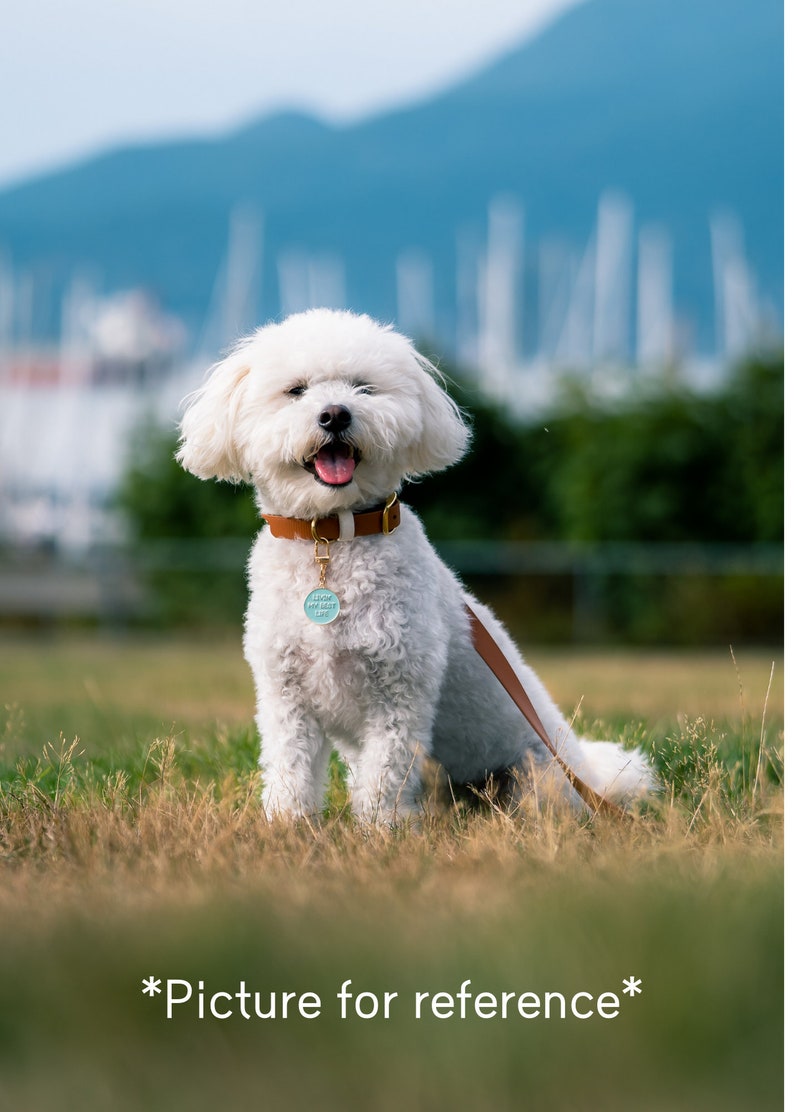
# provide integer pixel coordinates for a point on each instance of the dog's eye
(296, 391)
(363, 388)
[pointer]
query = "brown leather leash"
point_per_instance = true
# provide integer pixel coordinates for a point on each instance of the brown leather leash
(503, 670)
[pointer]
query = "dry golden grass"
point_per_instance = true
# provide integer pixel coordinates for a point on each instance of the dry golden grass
(140, 849)
(62, 823)
(189, 800)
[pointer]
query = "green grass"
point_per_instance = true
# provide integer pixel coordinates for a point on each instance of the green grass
(132, 844)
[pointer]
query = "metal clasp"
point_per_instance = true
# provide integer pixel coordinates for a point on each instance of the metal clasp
(322, 557)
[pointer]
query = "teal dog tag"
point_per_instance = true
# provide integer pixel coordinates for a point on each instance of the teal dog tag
(321, 606)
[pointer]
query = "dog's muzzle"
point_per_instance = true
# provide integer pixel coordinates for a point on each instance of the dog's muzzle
(335, 462)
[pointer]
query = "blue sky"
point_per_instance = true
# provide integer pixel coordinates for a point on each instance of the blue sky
(78, 76)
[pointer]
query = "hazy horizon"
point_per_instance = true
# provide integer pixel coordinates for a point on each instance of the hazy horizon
(91, 77)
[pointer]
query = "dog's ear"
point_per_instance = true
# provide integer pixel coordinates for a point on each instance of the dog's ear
(208, 445)
(445, 436)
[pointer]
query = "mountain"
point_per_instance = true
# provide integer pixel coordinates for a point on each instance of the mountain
(676, 103)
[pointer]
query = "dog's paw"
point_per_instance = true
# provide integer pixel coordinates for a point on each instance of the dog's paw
(284, 807)
(378, 812)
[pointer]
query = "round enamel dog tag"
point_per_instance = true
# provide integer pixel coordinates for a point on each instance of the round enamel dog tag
(321, 606)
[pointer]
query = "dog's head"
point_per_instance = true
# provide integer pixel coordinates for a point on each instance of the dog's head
(324, 412)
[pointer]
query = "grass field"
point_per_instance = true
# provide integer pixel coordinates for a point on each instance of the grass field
(132, 845)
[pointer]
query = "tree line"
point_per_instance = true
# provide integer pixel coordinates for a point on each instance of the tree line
(663, 464)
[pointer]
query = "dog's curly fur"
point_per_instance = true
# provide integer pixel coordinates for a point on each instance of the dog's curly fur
(395, 677)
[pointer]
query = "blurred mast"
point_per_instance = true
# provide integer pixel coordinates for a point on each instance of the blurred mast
(655, 328)
(500, 295)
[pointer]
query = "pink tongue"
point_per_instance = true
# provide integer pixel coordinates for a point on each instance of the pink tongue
(334, 465)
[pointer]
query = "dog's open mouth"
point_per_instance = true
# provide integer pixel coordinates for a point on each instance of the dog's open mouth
(334, 463)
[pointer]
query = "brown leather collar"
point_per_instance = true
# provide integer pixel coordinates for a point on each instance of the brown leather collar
(383, 519)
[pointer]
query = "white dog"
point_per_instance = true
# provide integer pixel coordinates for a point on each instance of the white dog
(328, 414)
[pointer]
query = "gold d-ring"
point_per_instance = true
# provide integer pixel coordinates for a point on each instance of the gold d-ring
(316, 536)
(385, 528)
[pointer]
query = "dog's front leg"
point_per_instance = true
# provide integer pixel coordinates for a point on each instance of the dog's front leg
(386, 772)
(294, 761)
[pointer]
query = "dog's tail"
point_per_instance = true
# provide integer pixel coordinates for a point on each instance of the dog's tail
(620, 775)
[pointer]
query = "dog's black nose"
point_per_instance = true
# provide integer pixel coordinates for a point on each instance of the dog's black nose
(335, 418)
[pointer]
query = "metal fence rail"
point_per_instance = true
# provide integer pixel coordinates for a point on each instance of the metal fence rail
(617, 557)
(110, 583)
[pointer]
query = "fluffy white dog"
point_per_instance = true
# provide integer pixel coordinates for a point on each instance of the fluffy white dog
(328, 414)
